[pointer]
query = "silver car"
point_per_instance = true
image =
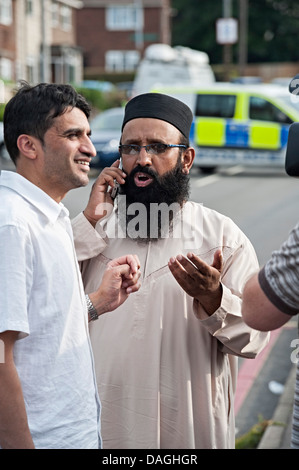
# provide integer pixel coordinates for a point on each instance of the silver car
(105, 136)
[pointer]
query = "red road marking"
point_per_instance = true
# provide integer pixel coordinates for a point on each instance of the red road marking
(250, 369)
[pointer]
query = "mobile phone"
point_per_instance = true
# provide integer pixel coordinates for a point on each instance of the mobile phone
(115, 189)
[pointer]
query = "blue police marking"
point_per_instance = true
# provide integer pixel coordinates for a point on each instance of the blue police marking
(236, 135)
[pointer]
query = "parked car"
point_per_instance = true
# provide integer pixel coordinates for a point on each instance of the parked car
(239, 124)
(97, 85)
(126, 88)
(105, 136)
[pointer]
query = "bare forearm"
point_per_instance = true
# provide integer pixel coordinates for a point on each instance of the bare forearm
(14, 430)
(257, 310)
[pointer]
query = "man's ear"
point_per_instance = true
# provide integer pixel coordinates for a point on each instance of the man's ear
(187, 159)
(27, 146)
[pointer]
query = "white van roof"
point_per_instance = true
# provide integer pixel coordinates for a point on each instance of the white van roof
(265, 88)
(164, 66)
(166, 53)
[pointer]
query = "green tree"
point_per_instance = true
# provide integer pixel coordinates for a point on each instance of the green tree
(194, 25)
(273, 27)
(273, 31)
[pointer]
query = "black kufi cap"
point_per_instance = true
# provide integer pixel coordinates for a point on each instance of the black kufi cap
(159, 106)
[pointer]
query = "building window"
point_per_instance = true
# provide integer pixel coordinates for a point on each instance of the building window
(30, 73)
(65, 65)
(6, 12)
(6, 68)
(122, 61)
(124, 17)
(66, 18)
(29, 7)
(30, 70)
(55, 14)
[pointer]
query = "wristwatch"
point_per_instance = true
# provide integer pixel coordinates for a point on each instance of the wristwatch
(93, 314)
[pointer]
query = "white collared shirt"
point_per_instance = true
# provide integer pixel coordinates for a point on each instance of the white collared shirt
(42, 297)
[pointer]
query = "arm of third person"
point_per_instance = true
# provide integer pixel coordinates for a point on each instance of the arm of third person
(257, 310)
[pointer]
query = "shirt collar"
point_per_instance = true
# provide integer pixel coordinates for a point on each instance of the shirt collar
(36, 196)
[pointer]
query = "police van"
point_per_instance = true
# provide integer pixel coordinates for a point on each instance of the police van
(239, 124)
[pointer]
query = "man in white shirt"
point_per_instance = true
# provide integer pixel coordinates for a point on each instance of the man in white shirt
(48, 394)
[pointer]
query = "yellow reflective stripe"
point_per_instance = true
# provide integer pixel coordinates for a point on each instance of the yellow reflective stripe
(264, 135)
(210, 131)
(241, 109)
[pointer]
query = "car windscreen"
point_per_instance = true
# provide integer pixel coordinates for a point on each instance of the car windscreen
(292, 101)
(107, 121)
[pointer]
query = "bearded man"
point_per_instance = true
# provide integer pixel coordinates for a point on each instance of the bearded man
(166, 364)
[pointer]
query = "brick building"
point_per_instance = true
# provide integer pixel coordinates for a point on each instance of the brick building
(7, 39)
(114, 34)
(38, 41)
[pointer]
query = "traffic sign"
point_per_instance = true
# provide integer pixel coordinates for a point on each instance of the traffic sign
(227, 31)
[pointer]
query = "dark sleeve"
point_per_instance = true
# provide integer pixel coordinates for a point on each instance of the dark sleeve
(273, 297)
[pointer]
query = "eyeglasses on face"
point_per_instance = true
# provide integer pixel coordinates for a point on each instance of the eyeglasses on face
(152, 149)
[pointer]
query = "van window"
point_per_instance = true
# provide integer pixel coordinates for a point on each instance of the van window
(263, 110)
(222, 106)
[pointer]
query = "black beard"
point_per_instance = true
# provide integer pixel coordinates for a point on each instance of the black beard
(170, 190)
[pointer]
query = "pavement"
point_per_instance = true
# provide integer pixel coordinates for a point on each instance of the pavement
(278, 434)
(265, 389)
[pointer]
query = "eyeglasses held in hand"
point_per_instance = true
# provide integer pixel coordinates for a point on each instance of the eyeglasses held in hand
(152, 149)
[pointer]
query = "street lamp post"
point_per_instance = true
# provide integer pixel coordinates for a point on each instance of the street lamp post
(227, 34)
(243, 34)
(227, 49)
(139, 25)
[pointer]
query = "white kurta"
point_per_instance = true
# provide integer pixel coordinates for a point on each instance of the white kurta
(166, 371)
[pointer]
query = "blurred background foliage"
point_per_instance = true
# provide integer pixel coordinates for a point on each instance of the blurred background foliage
(273, 27)
(100, 100)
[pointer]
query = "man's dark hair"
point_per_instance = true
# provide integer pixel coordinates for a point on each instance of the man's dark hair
(33, 108)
